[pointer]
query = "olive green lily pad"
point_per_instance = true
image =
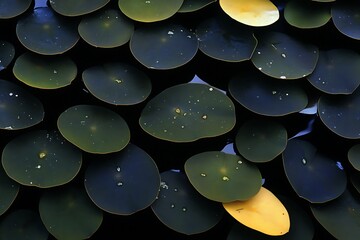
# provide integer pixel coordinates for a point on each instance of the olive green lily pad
(223, 177)
(9, 190)
(340, 217)
(224, 40)
(312, 175)
(181, 208)
(267, 96)
(307, 14)
(7, 53)
(261, 140)
(18, 108)
(282, 56)
(77, 8)
(354, 156)
(336, 72)
(94, 129)
(13, 8)
(23, 224)
(68, 213)
(117, 83)
(163, 46)
(108, 28)
(151, 10)
(345, 16)
(45, 32)
(123, 183)
(45, 72)
(194, 5)
(188, 112)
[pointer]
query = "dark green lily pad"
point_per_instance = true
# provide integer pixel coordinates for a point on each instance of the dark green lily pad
(260, 140)
(94, 129)
(45, 72)
(163, 46)
(117, 83)
(125, 182)
(345, 16)
(68, 213)
(151, 10)
(340, 217)
(7, 53)
(267, 96)
(188, 112)
(180, 207)
(223, 177)
(282, 56)
(108, 28)
(13, 8)
(18, 108)
(224, 40)
(23, 224)
(307, 14)
(337, 71)
(194, 5)
(41, 158)
(354, 156)
(312, 175)
(9, 190)
(45, 32)
(76, 8)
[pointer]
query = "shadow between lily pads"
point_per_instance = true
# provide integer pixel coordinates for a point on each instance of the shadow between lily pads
(9, 190)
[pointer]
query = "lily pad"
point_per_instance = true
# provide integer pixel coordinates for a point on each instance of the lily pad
(345, 16)
(108, 28)
(194, 5)
(149, 11)
(260, 140)
(223, 177)
(45, 32)
(354, 156)
(180, 207)
(282, 56)
(94, 129)
(77, 8)
(117, 83)
(11, 9)
(41, 158)
(68, 213)
(355, 180)
(163, 46)
(125, 182)
(9, 190)
(19, 109)
(312, 175)
(336, 71)
(188, 112)
(45, 72)
(7, 53)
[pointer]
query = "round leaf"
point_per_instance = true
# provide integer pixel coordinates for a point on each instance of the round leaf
(194, 5)
(77, 8)
(354, 156)
(9, 190)
(10, 9)
(345, 16)
(7, 53)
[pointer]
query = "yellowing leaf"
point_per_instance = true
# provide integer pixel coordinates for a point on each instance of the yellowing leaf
(255, 13)
(264, 212)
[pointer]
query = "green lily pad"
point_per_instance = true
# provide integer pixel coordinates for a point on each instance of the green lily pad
(267, 96)
(181, 208)
(224, 40)
(163, 46)
(336, 71)
(125, 182)
(45, 72)
(345, 16)
(312, 175)
(77, 8)
(354, 156)
(108, 28)
(10, 9)
(307, 14)
(340, 217)
(117, 83)
(9, 190)
(41, 158)
(223, 177)
(194, 5)
(7, 53)
(151, 10)
(68, 213)
(23, 224)
(47, 33)
(188, 112)
(94, 129)
(282, 56)
(18, 108)
(260, 140)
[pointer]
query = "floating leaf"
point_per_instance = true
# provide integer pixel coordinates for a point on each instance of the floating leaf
(345, 16)
(354, 156)
(194, 5)
(77, 8)
(9, 190)
(188, 112)
(7, 53)
(11, 9)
